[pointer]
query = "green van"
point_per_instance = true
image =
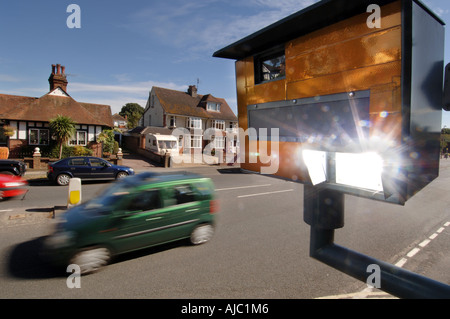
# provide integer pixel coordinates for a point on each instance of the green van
(139, 211)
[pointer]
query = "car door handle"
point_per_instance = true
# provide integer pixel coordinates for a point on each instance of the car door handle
(155, 217)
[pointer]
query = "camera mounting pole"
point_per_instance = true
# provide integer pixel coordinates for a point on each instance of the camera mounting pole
(324, 212)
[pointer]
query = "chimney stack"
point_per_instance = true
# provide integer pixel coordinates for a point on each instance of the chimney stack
(58, 79)
(192, 91)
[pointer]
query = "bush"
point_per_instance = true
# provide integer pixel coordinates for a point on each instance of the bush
(81, 151)
(52, 151)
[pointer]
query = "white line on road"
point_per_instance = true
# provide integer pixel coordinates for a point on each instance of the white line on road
(241, 187)
(268, 193)
(447, 224)
(425, 242)
(433, 236)
(6, 210)
(440, 230)
(413, 252)
(401, 262)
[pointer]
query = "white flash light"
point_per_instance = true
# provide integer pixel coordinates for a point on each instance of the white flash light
(362, 170)
(316, 162)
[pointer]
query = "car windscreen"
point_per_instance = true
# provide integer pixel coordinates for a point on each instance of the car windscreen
(111, 196)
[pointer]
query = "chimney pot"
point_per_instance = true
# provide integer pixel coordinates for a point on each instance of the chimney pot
(58, 71)
(192, 91)
(63, 68)
(53, 68)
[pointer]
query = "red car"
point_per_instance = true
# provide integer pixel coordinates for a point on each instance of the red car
(11, 186)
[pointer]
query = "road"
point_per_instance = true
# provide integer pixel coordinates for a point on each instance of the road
(260, 249)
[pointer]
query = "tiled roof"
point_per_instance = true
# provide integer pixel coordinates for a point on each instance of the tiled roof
(45, 108)
(181, 103)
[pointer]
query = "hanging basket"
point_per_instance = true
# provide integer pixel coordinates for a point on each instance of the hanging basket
(4, 153)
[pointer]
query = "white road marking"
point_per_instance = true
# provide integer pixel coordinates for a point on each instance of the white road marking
(268, 193)
(241, 187)
(413, 252)
(424, 243)
(364, 295)
(401, 262)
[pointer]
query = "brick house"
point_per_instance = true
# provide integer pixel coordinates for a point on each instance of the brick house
(177, 109)
(30, 116)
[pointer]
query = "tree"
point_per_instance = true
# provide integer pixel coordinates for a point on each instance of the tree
(107, 138)
(133, 112)
(63, 128)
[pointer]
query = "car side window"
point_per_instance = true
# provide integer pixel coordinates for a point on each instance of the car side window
(145, 201)
(97, 162)
(184, 194)
(77, 162)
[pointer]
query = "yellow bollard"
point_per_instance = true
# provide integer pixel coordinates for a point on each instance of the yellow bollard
(74, 195)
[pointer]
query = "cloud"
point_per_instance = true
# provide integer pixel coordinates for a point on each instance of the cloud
(8, 78)
(199, 25)
(142, 88)
(117, 95)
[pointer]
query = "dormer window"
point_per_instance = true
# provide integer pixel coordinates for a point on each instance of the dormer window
(213, 106)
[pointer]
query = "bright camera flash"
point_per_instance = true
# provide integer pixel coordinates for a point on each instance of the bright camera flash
(359, 170)
(317, 166)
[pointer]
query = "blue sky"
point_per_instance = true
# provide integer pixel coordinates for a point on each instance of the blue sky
(123, 48)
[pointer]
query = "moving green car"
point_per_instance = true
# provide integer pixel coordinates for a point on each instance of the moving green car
(140, 211)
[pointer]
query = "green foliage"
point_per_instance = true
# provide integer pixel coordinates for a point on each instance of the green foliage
(52, 151)
(62, 128)
(107, 138)
(133, 112)
(116, 147)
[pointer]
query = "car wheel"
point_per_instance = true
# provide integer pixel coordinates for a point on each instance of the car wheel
(202, 234)
(92, 259)
(63, 179)
(121, 175)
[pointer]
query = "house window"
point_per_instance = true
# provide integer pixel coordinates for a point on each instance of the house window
(212, 106)
(196, 141)
(79, 138)
(194, 122)
(218, 124)
(38, 136)
(172, 121)
(271, 66)
(219, 142)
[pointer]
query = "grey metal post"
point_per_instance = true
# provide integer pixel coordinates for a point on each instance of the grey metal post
(324, 212)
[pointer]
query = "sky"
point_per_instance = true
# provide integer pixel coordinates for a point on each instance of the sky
(124, 48)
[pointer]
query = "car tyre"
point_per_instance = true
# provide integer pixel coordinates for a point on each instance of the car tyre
(91, 260)
(63, 179)
(121, 175)
(202, 234)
